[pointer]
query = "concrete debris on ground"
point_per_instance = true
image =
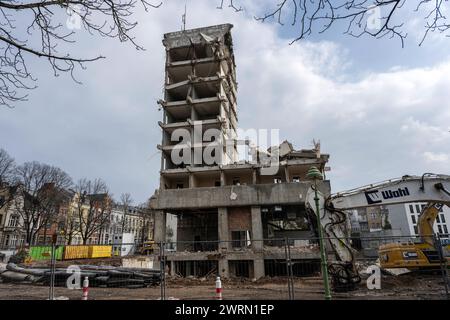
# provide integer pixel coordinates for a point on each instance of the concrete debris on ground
(99, 276)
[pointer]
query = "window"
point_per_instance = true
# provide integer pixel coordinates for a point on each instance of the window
(296, 179)
(416, 230)
(13, 221)
(423, 207)
(411, 208)
(442, 218)
(239, 238)
(13, 240)
(413, 219)
(437, 219)
(445, 229)
(440, 229)
(417, 208)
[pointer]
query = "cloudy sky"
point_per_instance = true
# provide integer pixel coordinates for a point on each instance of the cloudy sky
(380, 111)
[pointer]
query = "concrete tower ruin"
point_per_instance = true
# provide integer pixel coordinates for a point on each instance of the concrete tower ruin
(224, 207)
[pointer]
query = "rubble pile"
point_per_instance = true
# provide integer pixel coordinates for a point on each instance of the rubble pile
(99, 276)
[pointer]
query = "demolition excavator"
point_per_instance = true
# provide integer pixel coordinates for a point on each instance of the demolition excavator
(429, 188)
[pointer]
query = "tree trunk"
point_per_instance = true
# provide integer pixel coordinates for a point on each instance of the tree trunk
(45, 235)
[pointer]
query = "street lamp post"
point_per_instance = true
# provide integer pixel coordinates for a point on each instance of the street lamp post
(315, 174)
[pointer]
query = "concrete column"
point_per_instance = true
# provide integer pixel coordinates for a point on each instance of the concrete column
(258, 268)
(160, 226)
(257, 233)
(162, 184)
(222, 216)
(287, 174)
(191, 180)
(257, 229)
(255, 176)
(224, 269)
(224, 247)
(222, 178)
(172, 268)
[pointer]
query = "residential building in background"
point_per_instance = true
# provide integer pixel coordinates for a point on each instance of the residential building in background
(12, 233)
(127, 228)
(406, 216)
(92, 216)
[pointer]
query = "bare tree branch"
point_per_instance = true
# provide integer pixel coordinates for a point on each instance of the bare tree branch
(375, 18)
(39, 34)
(7, 166)
(38, 198)
(93, 207)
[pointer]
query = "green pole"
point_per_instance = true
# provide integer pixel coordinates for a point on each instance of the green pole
(315, 174)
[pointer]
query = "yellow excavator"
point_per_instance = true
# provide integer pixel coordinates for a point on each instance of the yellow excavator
(421, 254)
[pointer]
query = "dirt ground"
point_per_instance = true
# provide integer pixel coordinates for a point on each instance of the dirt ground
(407, 287)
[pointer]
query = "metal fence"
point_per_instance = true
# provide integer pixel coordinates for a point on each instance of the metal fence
(285, 268)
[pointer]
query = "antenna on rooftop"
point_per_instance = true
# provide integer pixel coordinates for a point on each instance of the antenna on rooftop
(183, 18)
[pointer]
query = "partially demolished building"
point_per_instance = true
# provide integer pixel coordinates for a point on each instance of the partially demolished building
(232, 215)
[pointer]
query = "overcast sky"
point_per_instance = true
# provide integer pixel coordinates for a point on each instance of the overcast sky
(380, 111)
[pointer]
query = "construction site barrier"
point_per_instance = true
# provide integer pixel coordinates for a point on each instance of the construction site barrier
(76, 252)
(39, 253)
(100, 252)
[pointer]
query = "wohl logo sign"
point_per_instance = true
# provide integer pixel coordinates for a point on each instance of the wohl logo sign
(375, 196)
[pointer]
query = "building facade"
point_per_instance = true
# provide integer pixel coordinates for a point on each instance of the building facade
(224, 206)
(127, 229)
(12, 232)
